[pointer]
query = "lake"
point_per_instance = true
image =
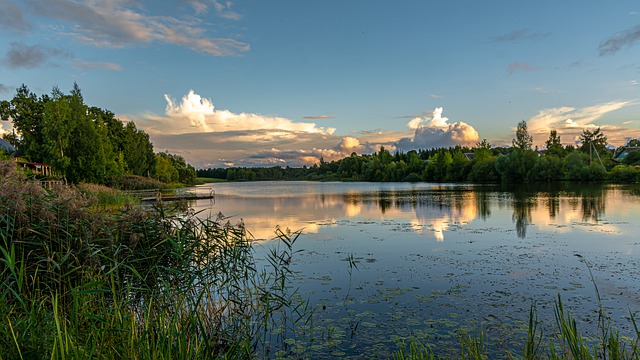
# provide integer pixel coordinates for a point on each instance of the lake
(381, 262)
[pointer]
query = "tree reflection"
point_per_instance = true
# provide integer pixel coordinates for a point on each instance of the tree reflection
(384, 201)
(593, 205)
(483, 205)
(523, 203)
(553, 204)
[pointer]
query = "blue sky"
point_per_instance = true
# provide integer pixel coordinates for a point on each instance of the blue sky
(285, 82)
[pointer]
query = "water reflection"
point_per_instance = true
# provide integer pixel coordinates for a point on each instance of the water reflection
(430, 209)
(523, 204)
(446, 255)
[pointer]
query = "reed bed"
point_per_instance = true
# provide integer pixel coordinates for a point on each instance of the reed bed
(140, 283)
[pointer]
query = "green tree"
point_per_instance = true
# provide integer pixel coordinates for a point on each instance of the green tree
(384, 155)
(164, 169)
(523, 140)
(138, 150)
(595, 138)
(576, 166)
(553, 145)
(87, 158)
(26, 112)
(58, 131)
(458, 170)
(547, 168)
(482, 150)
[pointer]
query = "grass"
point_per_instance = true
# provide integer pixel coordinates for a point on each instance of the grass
(134, 182)
(206, 180)
(106, 197)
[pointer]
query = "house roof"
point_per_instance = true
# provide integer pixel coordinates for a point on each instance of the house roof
(5, 145)
(625, 151)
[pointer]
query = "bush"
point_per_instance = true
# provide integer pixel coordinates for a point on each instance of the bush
(624, 173)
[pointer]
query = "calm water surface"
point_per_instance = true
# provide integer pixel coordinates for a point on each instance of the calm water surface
(433, 259)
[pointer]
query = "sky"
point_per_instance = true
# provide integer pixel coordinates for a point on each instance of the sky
(284, 83)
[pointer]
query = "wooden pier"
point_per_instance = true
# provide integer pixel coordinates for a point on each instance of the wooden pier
(154, 195)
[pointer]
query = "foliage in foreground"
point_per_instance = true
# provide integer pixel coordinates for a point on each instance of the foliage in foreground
(78, 282)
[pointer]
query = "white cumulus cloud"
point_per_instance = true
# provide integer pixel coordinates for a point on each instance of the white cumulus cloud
(197, 114)
(436, 132)
(349, 144)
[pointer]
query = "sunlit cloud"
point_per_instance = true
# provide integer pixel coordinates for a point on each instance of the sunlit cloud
(206, 136)
(436, 132)
(569, 122)
(114, 23)
(318, 117)
(5, 128)
(197, 114)
(349, 143)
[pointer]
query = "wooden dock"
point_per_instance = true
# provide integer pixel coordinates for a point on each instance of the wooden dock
(188, 197)
(154, 195)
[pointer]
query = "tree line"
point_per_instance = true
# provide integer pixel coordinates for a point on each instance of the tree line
(84, 143)
(590, 161)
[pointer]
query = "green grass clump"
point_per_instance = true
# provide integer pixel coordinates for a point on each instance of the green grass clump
(206, 180)
(107, 197)
(134, 182)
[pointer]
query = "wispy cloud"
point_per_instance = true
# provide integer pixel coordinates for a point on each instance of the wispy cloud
(570, 122)
(4, 88)
(615, 43)
(436, 132)
(12, 18)
(200, 7)
(319, 117)
(223, 9)
(436, 96)
(523, 67)
(111, 23)
(91, 65)
(25, 56)
(519, 35)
